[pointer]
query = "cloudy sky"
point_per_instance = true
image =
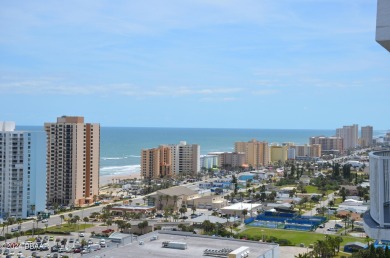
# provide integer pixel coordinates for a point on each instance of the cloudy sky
(310, 64)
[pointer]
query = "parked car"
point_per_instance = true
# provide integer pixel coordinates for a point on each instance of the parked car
(81, 235)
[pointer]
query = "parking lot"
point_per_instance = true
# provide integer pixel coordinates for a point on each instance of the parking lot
(53, 246)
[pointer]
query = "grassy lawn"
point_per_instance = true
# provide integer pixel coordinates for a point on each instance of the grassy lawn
(296, 237)
(70, 227)
(337, 201)
(314, 189)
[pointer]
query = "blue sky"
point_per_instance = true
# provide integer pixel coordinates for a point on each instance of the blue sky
(292, 64)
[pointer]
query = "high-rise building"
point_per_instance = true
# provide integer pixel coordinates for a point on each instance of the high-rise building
(185, 158)
(156, 162)
(350, 135)
(377, 219)
(310, 151)
(22, 172)
(256, 153)
(383, 24)
(73, 154)
(329, 145)
(278, 153)
(230, 159)
(209, 161)
(366, 136)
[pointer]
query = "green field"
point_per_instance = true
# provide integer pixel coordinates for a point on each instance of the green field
(314, 189)
(296, 237)
(69, 227)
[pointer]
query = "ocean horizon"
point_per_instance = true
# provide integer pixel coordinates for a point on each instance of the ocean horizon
(120, 147)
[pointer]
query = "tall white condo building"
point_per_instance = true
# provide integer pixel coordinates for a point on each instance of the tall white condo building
(22, 172)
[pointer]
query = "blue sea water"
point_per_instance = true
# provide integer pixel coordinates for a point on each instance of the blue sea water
(120, 147)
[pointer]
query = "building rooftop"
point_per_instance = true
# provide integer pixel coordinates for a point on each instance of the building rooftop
(241, 206)
(196, 245)
(177, 190)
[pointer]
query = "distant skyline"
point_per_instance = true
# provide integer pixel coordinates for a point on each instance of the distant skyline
(292, 64)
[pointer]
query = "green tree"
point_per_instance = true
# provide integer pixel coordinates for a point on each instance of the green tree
(86, 220)
(193, 208)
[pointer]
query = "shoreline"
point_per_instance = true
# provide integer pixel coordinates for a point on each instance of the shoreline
(109, 179)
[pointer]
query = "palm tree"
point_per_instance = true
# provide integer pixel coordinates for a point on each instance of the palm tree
(32, 209)
(109, 222)
(143, 225)
(167, 197)
(85, 219)
(193, 208)
(175, 201)
(77, 219)
(4, 225)
(160, 198)
(244, 212)
(70, 215)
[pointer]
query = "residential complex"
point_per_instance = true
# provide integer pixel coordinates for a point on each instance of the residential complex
(156, 162)
(22, 172)
(230, 159)
(350, 135)
(73, 153)
(366, 138)
(301, 151)
(256, 153)
(185, 158)
(278, 153)
(209, 161)
(377, 219)
(329, 145)
(170, 160)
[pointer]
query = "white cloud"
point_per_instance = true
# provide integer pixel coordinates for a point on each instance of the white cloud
(265, 92)
(52, 85)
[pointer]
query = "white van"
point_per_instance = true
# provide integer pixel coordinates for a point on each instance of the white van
(94, 247)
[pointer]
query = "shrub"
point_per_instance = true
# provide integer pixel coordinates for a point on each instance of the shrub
(284, 242)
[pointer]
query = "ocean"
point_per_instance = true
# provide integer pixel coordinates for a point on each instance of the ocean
(120, 147)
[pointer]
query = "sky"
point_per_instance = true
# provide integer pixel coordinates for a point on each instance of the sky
(285, 64)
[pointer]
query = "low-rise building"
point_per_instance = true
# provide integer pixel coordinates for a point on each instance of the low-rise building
(173, 197)
(237, 209)
(196, 246)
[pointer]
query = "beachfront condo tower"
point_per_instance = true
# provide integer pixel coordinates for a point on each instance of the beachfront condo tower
(350, 135)
(156, 162)
(257, 153)
(185, 158)
(366, 136)
(329, 145)
(73, 153)
(22, 172)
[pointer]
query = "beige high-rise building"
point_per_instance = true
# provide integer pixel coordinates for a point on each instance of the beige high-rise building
(350, 135)
(328, 144)
(366, 136)
(278, 153)
(256, 153)
(156, 162)
(73, 155)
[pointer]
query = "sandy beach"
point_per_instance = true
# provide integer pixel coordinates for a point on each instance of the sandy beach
(105, 180)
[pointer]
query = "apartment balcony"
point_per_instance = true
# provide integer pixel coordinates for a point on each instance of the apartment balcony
(383, 24)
